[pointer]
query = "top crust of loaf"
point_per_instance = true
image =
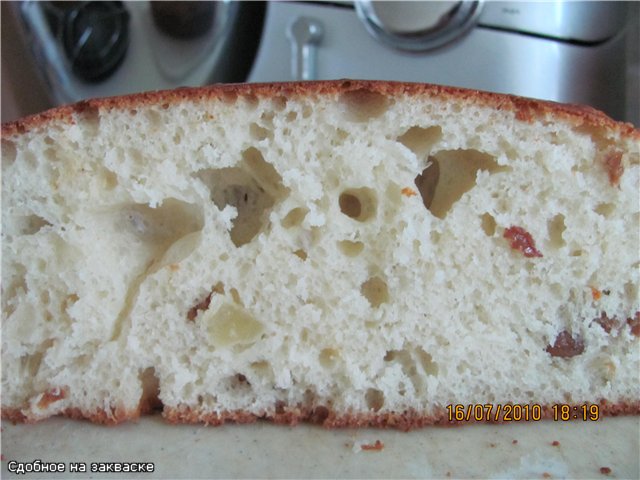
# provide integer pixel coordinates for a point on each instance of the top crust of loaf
(526, 109)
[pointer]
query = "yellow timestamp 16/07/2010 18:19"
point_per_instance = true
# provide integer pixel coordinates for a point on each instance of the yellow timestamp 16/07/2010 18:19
(490, 412)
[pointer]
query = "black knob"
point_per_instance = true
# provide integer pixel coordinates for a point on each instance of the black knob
(95, 36)
(183, 19)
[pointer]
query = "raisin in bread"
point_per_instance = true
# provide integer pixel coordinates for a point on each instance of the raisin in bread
(350, 253)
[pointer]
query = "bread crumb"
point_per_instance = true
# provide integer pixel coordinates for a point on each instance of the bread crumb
(514, 442)
(546, 475)
(174, 267)
(555, 443)
(492, 445)
(605, 470)
(373, 446)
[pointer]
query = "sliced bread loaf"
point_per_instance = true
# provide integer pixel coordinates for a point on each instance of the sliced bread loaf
(350, 253)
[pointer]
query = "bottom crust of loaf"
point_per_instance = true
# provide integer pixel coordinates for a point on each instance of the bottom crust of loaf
(407, 420)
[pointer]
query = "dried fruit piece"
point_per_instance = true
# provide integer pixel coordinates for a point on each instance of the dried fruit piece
(566, 346)
(607, 323)
(595, 294)
(50, 396)
(520, 239)
(204, 304)
(408, 192)
(634, 323)
(613, 165)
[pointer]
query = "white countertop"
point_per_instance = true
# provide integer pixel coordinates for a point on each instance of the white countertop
(517, 450)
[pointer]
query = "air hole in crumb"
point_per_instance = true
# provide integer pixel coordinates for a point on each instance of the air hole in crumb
(375, 290)
(420, 140)
(291, 116)
(68, 302)
(110, 180)
(428, 365)
(462, 367)
(341, 134)
(328, 357)
(279, 103)
(32, 362)
(488, 224)
(267, 118)
(44, 298)
(262, 368)
(154, 118)
(229, 96)
(631, 290)
(32, 224)
(295, 217)
(358, 203)
(9, 154)
(251, 100)
(362, 104)
(556, 228)
(427, 182)
(300, 253)
(259, 133)
(235, 296)
(605, 209)
(237, 383)
(150, 398)
(90, 116)
(374, 399)
(304, 335)
(349, 248)
(306, 111)
(449, 175)
(510, 151)
(576, 253)
(172, 229)
(252, 188)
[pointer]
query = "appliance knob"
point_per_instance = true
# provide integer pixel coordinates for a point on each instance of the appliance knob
(417, 26)
(95, 36)
(183, 20)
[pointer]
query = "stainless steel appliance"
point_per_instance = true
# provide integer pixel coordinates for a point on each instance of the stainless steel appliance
(568, 51)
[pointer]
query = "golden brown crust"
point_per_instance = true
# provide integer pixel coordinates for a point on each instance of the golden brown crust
(525, 109)
(407, 420)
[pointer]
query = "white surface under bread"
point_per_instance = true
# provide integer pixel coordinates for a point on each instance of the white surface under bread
(267, 451)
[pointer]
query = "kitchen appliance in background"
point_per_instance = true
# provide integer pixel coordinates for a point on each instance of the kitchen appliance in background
(567, 51)
(90, 49)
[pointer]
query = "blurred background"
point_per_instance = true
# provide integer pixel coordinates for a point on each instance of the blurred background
(569, 51)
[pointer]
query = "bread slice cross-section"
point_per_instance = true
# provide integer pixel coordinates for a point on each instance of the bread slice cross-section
(350, 253)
